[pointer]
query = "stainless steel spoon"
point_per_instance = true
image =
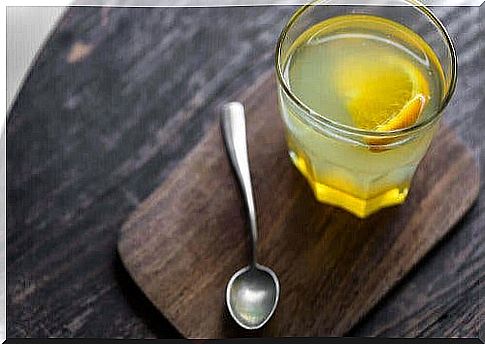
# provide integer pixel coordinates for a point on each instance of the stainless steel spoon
(252, 292)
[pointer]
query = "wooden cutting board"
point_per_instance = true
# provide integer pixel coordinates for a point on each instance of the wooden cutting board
(185, 241)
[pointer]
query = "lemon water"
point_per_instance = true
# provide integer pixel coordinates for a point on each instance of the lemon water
(367, 73)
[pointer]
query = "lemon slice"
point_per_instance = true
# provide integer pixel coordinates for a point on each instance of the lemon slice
(408, 115)
(383, 95)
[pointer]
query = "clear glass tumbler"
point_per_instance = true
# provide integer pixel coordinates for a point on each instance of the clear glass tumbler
(360, 170)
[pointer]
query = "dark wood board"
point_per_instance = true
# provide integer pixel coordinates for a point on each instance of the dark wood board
(184, 241)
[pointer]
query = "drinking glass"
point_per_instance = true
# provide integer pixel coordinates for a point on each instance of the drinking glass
(346, 166)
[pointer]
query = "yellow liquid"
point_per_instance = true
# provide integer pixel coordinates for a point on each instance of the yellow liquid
(358, 70)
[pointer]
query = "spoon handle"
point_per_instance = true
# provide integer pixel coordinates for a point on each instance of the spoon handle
(234, 133)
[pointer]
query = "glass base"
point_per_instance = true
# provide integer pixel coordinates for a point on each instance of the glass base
(355, 205)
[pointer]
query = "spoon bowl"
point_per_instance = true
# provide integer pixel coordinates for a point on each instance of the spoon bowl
(252, 295)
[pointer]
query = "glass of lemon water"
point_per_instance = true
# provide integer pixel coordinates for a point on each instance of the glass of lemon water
(361, 90)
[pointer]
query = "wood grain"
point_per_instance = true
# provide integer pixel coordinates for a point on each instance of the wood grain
(184, 242)
(88, 141)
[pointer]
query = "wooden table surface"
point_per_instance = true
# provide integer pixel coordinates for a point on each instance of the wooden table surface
(116, 98)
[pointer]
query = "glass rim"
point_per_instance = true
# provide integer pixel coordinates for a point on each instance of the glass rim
(322, 119)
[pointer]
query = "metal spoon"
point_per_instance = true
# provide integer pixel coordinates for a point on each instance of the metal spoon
(252, 292)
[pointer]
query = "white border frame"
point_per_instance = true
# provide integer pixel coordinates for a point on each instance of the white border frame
(119, 3)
